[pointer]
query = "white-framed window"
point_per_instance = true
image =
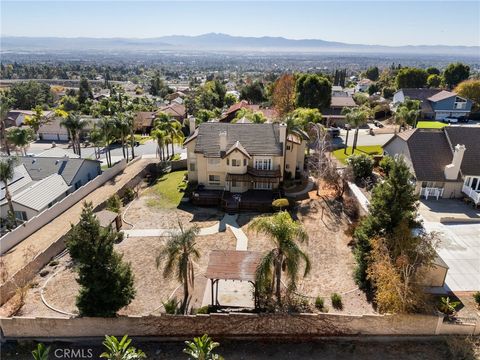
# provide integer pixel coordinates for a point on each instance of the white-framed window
(263, 164)
(192, 166)
(21, 215)
(244, 162)
(236, 162)
(214, 179)
(263, 186)
(460, 104)
(213, 161)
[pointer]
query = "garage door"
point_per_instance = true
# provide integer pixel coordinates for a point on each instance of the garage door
(54, 137)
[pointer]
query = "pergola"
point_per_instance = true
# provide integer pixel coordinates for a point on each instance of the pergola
(232, 265)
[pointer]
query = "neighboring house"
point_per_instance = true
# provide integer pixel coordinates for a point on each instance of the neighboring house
(363, 85)
(231, 112)
(242, 157)
(143, 121)
(337, 90)
(436, 104)
(444, 163)
(58, 152)
(333, 115)
(17, 117)
(40, 182)
(53, 131)
(176, 111)
(175, 95)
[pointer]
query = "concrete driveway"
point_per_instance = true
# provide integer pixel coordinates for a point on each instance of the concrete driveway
(460, 248)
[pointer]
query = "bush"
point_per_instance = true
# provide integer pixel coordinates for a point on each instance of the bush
(351, 208)
(320, 304)
(476, 297)
(280, 204)
(362, 165)
(171, 306)
(203, 310)
(447, 306)
(337, 301)
(386, 164)
(128, 196)
(114, 203)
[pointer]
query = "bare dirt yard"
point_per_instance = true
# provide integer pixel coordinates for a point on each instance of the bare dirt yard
(329, 251)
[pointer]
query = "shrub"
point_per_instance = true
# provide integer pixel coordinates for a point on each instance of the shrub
(203, 310)
(320, 304)
(476, 297)
(53, 263)
(280, 204)
(447, 306)
(386, 164)
(114, 203)
(351, 208)
(128, 196)
(337, 301)
(171, 306)
(362, 165)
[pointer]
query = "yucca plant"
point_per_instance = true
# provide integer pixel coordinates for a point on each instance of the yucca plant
(41, 352)
(201, 348)
(120, 350)
(447, 306)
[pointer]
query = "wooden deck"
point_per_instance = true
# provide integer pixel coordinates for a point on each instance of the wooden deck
(251, 200)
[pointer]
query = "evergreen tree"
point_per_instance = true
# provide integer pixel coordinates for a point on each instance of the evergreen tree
(84, 91)
(313, 91)
(392, 202)
(106, 281)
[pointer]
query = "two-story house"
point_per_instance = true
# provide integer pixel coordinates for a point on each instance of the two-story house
(242, 158)
(435, 104)
(444, 163)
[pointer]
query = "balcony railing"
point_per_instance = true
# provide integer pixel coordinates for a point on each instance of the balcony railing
(472, 194)
(264, 173)
(431, 191)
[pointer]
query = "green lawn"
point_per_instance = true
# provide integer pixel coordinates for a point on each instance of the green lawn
(167, 191)
(431, 125)
(370, 150)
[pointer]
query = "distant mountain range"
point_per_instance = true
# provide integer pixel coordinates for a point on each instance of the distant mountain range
(220, 42)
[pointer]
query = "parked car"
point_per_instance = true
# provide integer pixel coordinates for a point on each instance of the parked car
(463, 119)
(450, 120)
(333, 132)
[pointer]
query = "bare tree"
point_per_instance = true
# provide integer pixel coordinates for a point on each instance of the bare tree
(318, 161)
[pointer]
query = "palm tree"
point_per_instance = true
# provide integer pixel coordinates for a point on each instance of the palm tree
(107, 126)
(96, 138)
(159, 136)
(176, 134)
(21, 137)
(179, 254)
(74, 125)
(7, 171)
(285, 256)
(356, 117)
(201, 348)
(131, 120)
(122, 125)
(121, 350)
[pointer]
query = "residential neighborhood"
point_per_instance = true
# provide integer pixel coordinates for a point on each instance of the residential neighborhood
(253, 192)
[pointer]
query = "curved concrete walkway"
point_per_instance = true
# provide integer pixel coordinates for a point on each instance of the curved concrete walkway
(308, 188)
(229, 221)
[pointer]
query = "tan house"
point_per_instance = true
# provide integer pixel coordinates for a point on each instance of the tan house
(445, 163)
(248, 159)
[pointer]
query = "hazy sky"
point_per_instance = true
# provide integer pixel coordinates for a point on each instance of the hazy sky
(378, 22)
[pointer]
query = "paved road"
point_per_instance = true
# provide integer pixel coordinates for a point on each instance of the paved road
(149, 148)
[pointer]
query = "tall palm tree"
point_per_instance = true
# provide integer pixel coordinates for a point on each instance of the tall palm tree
(21, 137)
(122, 125)
(7, 171)
(160, 136)
(356, 117)
(131, 120)
(96, 138)
(74, 125)
(286, 254)
(176, 134)
(178, 256)
(107, 126)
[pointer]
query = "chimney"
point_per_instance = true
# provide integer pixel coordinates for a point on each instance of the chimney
(223, 141)
(283, 135)
(191, 123)
(452, 170)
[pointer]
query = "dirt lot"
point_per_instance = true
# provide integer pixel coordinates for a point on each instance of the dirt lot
(331, 257)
